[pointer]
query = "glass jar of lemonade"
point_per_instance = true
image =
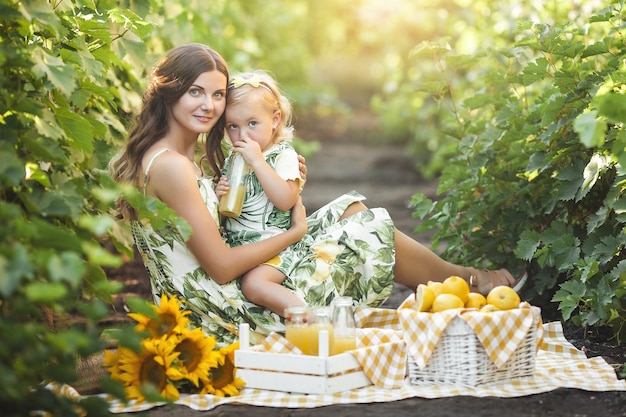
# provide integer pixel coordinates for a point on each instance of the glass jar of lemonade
(344, 327)
(232, 202)
(298, 331)
(321, 319)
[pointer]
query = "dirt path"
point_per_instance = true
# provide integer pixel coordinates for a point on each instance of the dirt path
(383, 174)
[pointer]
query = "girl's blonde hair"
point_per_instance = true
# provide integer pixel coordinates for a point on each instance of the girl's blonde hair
(259, 82)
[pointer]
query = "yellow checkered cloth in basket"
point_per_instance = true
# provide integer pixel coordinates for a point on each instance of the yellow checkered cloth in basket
(380, 352)
(500, 332)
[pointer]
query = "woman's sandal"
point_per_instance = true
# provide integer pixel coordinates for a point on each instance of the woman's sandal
(498, 277)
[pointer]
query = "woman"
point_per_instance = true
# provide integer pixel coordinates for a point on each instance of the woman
(351, 250)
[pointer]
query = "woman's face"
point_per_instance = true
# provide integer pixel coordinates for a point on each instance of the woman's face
(200, 107)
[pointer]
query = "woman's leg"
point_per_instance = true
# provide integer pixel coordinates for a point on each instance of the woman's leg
(416, 264)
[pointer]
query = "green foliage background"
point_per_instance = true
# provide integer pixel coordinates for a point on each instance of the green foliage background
(526, 130)
(518, 107)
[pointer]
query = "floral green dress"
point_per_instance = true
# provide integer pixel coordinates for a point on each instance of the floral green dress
(351, 257)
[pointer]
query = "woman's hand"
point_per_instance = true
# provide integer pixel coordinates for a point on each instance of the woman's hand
(298, 218)
(302, 166)
(222, 187)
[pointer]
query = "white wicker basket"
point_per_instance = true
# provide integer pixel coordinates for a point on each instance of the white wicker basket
(460, 359)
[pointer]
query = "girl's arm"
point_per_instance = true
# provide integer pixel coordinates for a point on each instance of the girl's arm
(222, 186)
(282, 193)
(172, 180)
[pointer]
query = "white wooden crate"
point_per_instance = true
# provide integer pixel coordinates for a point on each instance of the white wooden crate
(305, 374)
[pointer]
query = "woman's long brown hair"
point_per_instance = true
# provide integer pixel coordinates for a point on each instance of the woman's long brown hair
(171, 77)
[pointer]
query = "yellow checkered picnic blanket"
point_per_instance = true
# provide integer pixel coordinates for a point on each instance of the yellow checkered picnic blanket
(558, 365)
(381, 353)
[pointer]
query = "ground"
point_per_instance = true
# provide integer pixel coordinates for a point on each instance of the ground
(387, 177)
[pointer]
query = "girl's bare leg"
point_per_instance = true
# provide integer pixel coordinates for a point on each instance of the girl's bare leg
(262, 286)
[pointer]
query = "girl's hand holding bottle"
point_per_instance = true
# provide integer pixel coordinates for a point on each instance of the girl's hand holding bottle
(250, 150)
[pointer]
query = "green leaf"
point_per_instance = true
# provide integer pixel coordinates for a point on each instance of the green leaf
(12, 172)
(566, 251)
(613, 106)
(569, 296)
(49, 235)
(98, 225)
(570, 180)
(48, 202)
(15, 266)
(597, 48)
(47, 125)
(45, 292)
(607, 249)
(527, 245)
(422, 205)
(66, 267)
(100, 256)
(535, 71)
(61, 75)
(135, 51)
(129, 19)
(590, 128)
(41, 12)
(35, 173)
(553, 107)
(78, 130)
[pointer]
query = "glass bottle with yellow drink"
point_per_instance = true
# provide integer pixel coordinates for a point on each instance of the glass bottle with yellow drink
(321, 320)
(232, 202)
(344, 326)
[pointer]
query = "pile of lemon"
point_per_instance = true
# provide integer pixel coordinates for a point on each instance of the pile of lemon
(454, 292)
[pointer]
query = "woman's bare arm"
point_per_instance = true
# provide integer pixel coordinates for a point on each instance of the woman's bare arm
(173, 181)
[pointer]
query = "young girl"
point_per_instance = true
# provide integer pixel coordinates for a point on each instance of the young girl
(258, 120)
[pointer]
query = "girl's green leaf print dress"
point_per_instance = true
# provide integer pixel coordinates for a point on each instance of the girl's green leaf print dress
(353, 257)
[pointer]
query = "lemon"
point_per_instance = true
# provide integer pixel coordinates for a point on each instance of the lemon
(503, 298)
(476, 300)
(424, 297)
(457, 286)
(488, 308)
(436, 286)
(446, 301)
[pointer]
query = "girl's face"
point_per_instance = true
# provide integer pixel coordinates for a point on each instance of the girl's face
(200, 107)
(252, 119)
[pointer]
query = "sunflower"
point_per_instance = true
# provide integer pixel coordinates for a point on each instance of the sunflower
(153, 365)
(173, 358)
(170, 318)
(196, 355)
(224, 381)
